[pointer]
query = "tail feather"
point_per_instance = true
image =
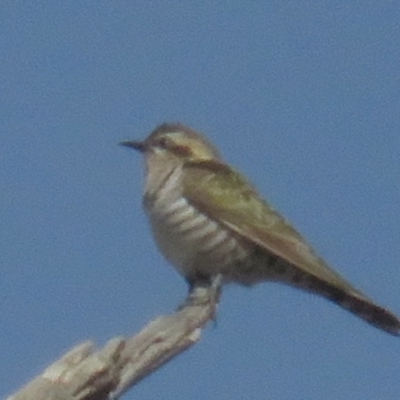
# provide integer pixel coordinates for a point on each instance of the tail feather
(372, 313)
(338, 291)
(359, 305)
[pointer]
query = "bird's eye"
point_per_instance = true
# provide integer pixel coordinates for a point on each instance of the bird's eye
(163, 142)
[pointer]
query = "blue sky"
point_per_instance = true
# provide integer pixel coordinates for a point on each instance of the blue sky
(303, 97)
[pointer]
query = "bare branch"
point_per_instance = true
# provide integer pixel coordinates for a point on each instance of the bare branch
(85, 373)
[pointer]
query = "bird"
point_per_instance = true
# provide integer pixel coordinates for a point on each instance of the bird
(208, 220)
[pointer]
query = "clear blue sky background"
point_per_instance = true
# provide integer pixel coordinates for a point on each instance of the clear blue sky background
(303, 97)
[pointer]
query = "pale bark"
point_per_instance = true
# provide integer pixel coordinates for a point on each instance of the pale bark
(85, 372)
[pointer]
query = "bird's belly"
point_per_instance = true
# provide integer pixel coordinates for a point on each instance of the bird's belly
(192, 242)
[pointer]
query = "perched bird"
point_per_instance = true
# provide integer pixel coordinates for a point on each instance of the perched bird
(208, 220)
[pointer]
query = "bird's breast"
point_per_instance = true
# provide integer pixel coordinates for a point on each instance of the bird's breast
(194, 243)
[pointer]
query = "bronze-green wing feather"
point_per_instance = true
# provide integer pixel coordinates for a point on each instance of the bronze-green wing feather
(226, 197)
(229, 199)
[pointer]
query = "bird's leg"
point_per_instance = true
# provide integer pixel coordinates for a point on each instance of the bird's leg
(204, 291)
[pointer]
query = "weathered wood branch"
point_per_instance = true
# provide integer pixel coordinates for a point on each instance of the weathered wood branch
(84, 373)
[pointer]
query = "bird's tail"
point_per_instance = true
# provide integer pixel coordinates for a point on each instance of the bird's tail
(358, 304)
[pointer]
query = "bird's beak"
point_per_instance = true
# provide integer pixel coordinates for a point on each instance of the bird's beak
(134, 144)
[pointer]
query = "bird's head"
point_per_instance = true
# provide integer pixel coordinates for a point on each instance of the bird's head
(175, 142)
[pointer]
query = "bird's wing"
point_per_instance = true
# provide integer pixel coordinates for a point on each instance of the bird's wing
(226, 197)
